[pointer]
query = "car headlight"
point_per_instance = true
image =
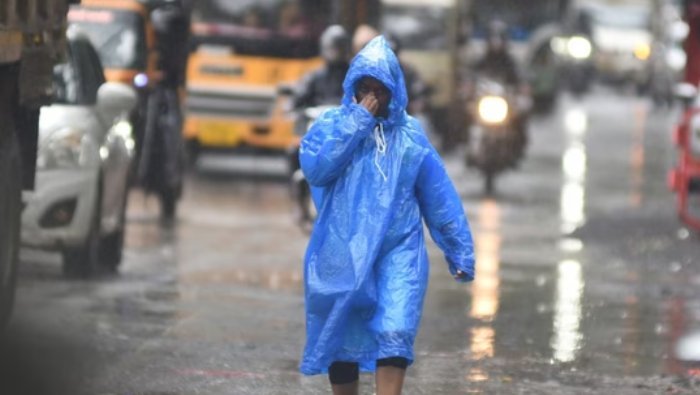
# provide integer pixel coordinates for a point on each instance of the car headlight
(579, 47)
(642, 51)
(66, 148)
(493, 109)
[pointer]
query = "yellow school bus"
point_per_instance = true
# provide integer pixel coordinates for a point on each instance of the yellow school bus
(243, 53)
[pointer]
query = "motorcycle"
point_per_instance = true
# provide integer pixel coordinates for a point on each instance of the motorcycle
(684, 179)
(300, 190)
(496, 140)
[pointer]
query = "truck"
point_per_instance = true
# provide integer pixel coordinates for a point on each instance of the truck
(32, 40)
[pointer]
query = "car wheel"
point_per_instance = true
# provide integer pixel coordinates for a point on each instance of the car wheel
(112, 245)
(10, 211)
(83, 260)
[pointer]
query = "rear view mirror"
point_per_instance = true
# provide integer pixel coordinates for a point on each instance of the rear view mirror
(115, 99)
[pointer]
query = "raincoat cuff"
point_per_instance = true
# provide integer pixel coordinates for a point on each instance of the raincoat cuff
(363, 118)
(468, 270)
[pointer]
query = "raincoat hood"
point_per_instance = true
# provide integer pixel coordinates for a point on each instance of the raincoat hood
(377, 60)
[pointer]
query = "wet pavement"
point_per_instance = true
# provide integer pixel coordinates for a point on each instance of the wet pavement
(586, 282)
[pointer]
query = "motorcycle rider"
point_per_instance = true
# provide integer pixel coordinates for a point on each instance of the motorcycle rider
(320, 87)
(498, 64)
(324, 86)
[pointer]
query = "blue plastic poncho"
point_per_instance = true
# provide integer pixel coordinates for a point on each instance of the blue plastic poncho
(366, 266)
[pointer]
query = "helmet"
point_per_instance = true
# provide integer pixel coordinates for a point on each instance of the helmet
(335, 44)
(497, 35)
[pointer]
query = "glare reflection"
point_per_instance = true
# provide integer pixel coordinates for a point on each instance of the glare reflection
(574, 165)
(570, 245)
(637, 158)
(482, 342)
(488, 244)
(572, 207)
(576, 121)
(485, 288)
(476, 375)
(568, 311)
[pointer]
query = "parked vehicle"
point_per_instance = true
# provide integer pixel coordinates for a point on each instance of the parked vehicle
(85, 151)
(495, 141)
(32, 40)
(301, 192)
(131, 48)
(684, 179)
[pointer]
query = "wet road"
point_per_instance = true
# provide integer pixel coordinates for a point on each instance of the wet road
(586, 282)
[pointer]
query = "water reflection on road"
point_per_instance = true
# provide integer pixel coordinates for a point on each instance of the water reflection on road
(581, 279)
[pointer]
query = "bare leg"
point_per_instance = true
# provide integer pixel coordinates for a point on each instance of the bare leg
(389, 380)
(346, 389)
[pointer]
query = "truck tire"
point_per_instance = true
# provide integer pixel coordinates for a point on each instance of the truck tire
(10, 212)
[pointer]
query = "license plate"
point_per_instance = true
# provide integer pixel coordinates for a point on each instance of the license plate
(220, 134)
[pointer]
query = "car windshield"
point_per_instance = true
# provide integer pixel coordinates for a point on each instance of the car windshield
(623, 18)
(417, 27)
(118, 36)
(280, 28)
(66, 88)
(522, 16)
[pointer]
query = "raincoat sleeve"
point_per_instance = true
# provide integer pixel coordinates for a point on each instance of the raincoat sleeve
(442, 210)
(327, 148)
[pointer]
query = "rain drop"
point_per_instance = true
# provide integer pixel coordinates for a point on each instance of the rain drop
(675, 267)
(541, 280)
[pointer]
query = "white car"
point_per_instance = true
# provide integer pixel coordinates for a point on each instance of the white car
(623, 38)
(85, 150)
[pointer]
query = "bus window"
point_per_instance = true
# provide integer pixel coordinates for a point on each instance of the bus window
(119, 36)
(276, 28)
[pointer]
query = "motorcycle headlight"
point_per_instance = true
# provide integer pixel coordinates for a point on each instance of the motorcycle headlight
(65, 148)
(493, 109)
(579, 47)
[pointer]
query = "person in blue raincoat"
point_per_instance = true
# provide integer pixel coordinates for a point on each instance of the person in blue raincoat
(374, 177)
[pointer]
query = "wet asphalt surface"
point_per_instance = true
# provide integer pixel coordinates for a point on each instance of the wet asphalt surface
(586, 282)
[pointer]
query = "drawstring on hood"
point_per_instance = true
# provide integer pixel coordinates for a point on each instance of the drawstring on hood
(380, 139)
